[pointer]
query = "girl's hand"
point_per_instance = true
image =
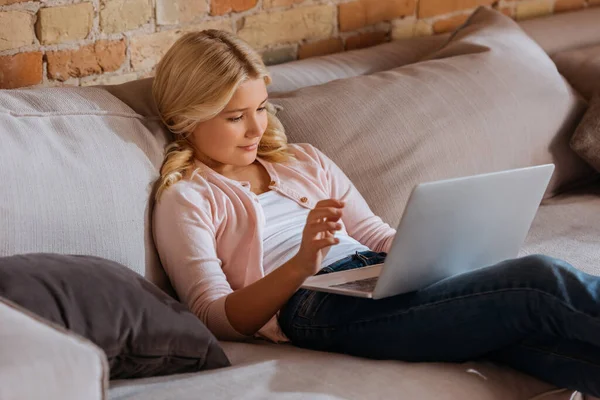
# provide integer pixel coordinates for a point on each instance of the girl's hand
(321, 224)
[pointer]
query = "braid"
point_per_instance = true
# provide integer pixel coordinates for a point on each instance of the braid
(179, 158)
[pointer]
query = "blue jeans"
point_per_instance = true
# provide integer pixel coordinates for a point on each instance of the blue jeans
(535, 314)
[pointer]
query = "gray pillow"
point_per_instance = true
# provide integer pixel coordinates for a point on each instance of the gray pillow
(586, 139)
(143, 331)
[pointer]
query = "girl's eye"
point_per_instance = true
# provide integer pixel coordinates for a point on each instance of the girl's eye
(235, 119)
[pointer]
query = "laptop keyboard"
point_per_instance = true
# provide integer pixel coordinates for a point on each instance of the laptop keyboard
(362, 285)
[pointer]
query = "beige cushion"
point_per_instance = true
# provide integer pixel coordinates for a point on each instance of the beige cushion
(564, 31)
(42, 361)
(137, 95)
(491, 100)
(81, 166)
(586, 139)
(581, 67)
(315, 71)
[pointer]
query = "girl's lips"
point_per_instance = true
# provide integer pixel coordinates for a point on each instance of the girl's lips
(250, 148)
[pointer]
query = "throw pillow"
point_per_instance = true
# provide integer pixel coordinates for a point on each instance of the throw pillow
(143, 331)
(489, 100)
(586, 139)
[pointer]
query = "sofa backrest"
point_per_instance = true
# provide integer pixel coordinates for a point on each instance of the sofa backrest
(78, 164)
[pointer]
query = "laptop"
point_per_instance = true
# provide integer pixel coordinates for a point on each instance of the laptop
(449, 227)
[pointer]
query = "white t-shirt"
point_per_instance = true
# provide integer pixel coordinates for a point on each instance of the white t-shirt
(285, 221)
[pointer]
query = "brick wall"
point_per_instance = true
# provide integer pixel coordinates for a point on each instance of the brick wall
(66, 42)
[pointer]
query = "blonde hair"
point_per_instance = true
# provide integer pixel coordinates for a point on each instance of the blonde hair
(194, 82)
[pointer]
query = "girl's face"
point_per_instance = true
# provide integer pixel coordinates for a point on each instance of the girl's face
(230, 139)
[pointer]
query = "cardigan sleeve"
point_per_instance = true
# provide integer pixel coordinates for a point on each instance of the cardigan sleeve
(361, 223)
(184, 235)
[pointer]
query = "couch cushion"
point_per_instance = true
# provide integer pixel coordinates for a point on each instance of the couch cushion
(564, 31)
(269, 371)
(489, 100)
(41, 360)
(82, 165)
(566, 227)
(315, 71)
(142, 330)
(581, 67)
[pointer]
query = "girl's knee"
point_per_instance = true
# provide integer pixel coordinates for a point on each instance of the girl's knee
(540, 263)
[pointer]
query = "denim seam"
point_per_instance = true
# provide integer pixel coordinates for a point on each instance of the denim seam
(306, 301)
(299, 304)
(316, 309)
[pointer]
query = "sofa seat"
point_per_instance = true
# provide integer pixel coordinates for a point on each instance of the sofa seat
(268, 371)
(568, 227)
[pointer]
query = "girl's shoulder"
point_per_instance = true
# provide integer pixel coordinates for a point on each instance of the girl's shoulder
(194, 191)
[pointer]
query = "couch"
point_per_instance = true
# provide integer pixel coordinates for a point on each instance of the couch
(78, 165)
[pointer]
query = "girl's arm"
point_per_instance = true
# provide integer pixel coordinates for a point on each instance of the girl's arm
(249, 308)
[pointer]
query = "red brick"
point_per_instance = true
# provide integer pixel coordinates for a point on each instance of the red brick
(378, 11)
(568, 5)
(365, 40)
(352, 16)
(102, 56)
(321, 48)
(358, 14)
(431, 8)
(220, 7)
(20, 70)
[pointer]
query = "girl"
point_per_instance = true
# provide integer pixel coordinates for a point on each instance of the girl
(242, 219)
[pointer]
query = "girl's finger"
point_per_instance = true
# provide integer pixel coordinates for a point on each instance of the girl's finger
(326, 242)
(323, 227)
(330, 213)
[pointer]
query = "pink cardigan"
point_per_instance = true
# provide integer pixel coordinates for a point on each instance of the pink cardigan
(208, 231)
